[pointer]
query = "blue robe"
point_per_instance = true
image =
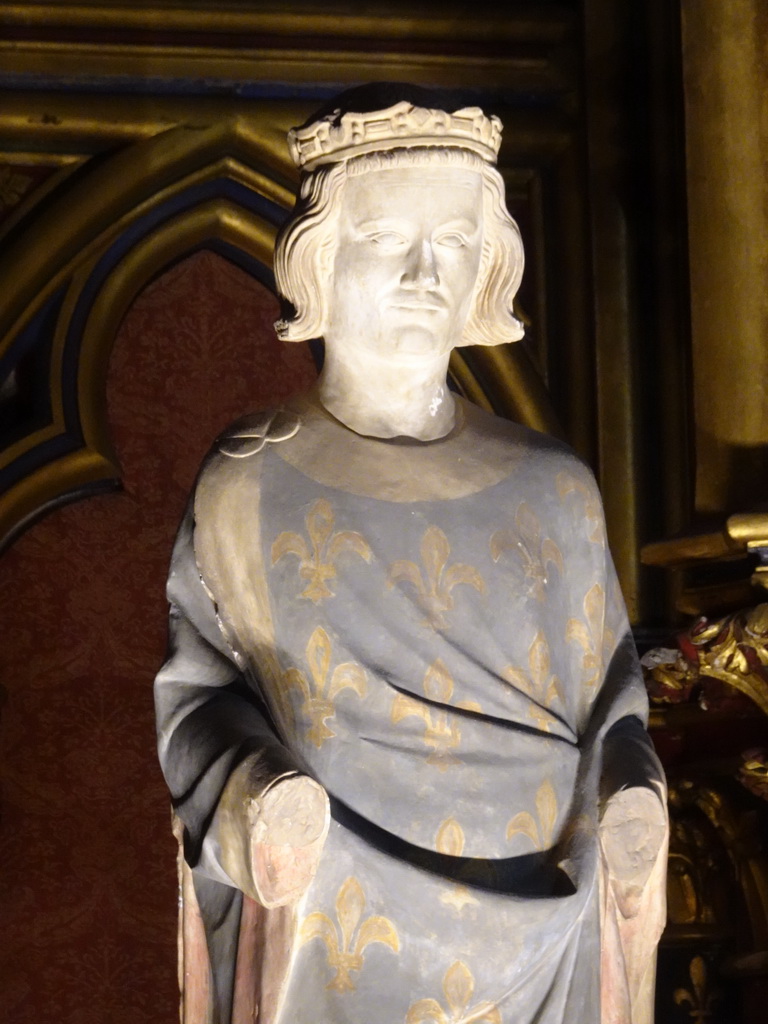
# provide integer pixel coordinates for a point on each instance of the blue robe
(435, 633)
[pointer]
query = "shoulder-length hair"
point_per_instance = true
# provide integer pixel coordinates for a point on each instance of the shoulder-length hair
(306, 247)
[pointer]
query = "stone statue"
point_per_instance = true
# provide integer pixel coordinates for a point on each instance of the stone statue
(402, 718)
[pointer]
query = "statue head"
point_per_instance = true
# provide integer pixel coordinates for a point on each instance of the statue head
(426, 160)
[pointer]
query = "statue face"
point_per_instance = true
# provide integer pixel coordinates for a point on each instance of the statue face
(408, 253)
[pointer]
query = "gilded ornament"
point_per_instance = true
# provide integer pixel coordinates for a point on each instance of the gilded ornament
(699, 997)
(458, 989)
(568, 484)
(534, 551)
(347, 940)
(753, 771)
(450, 840)
(586, 634)
(320, 690)
(540, 830)
(538, 683)
(733, 650)
(433, 587)
(317, 565)
(441, 730)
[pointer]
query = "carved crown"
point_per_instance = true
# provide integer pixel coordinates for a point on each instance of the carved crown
(335, 138)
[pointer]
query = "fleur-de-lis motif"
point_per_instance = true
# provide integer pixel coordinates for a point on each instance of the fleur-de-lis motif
(433, 588)
(535, 552)
(701, 998)
(441, 731)
(590, 636)
(319, 693)
(458, 989)
(317, 566)
(347, 941)
(450, 840)
(541, 832)
(539, 683)
(568, 484)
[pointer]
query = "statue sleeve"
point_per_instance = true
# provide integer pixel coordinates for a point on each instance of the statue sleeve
(633, 828)
(629, 759)
(209, 720)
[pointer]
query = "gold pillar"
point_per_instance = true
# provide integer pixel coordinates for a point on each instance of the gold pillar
(725, 50)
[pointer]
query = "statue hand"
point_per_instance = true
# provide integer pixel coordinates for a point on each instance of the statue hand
(271, 842)
(287, 826)
(632, 831)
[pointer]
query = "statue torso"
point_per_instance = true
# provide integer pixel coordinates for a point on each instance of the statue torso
(427, 626)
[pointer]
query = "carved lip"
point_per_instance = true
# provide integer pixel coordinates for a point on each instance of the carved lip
(431, 306)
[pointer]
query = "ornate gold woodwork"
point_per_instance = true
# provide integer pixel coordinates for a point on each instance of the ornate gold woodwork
(102, 204)
(310, 45)
(79, 229)
(436, 20)
(740, 546)
(700, 997)
(736, 838)
(732, 650)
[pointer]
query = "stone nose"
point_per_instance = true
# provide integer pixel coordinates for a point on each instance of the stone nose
(421, 268)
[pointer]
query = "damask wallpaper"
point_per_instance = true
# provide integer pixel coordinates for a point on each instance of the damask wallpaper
(87, 860)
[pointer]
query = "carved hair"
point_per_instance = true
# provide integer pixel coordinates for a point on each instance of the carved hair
(306, 247)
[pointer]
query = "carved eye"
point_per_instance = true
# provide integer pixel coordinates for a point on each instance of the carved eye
(452, 240)
(387, 239)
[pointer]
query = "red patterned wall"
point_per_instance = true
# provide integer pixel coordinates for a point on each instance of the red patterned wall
(87, 862)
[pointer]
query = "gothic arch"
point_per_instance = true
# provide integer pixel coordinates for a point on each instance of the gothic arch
(70, 279)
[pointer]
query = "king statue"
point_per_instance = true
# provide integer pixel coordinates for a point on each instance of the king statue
(402, 719)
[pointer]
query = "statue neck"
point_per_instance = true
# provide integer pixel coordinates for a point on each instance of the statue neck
(381, 397)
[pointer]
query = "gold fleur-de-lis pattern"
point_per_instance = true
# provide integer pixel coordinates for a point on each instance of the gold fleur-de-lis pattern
(347, 939)
(450, 840)
(538, 555)
(591, 636)
(568, 484)
(701, 996)
(457, 1006)
(539, 683)
(540, 829)
(442, 732)
(317, 559)
(432, 583)
(321, 687)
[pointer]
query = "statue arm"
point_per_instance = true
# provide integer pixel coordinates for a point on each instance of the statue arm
(633, 837)
(251, 818)
(632, 785)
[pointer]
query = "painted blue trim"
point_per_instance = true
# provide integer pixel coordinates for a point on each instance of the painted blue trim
(186, 200)
(157, 86)
(135, 85)
(43, 323)
(189, 198)
(243, 260)
(40, 329)
(37, 457)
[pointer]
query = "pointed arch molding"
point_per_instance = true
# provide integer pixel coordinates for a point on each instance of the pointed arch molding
(71, 277)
